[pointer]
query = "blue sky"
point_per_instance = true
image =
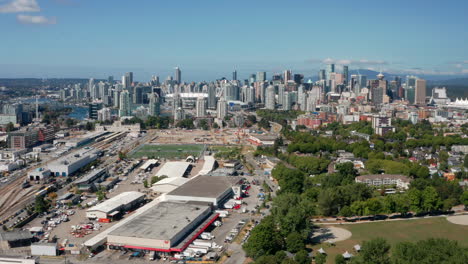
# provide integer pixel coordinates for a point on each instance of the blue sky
(208, 39)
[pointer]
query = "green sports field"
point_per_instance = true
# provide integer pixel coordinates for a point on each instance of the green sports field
(167, 151)
(397, 231)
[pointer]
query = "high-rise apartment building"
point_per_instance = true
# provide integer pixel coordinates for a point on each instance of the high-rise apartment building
(330, 70)
(201, 106)
(222, 108)
(270, 98)
(125, 104)
(178, 75)
(287, 76)
(345, 74)
(261, 76)
(420, 92)
(154, 104)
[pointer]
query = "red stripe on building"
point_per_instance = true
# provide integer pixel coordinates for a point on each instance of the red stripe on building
(196, 235)
(148, 248)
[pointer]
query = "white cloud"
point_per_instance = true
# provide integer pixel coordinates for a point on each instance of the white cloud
(362, 62)
(37, 20)
(17, 6)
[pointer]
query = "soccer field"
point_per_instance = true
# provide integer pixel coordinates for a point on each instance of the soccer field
(397, 231)
(167, 151)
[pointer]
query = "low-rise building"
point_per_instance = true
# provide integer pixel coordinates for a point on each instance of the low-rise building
(214, 190)
(39, 174)
(114, 206)
(71, 163)
(400, 181)
(44, 249)
(165, 228)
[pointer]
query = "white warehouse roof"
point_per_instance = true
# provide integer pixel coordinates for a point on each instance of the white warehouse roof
(116, 202)
(173, 169)
(168, 184)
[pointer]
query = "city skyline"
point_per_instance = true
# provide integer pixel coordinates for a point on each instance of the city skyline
(153, 37)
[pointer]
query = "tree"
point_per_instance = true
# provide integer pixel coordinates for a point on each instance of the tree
(215, 125)
(145, 183)
(302, 257)
(433, 250)
(264, 239)
(101, 194)
(430, 200)
(346, 211)
(464, 198)
(41, 205)
(203, 124)
(375, 251)
(267, 259)
(320, 258)
(69, 122)
(89, 126)
(185, 123)
(465, 161)
(415, 200)
(373, 206)
(326, 202)
(122, 155)
(52, 195)
(339, 259)
(10, 127)
(294, 242)
(264, 124)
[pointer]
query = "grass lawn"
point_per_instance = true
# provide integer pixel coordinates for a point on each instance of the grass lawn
(397, 231)
(167, 151)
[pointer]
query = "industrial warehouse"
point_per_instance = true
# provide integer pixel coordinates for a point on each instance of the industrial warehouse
(115, 205)
(170, 223)
(166, 227)
(214, 190)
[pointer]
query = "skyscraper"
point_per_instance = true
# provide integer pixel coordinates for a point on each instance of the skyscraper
(127, 80)
(222, 108)
(345, 75)
(201, 106)
(125, 104)
(287, 76)
(117, 98)
(420, 92)
(330, 70)
(362, 83)
(154, 105)
(298, 78)
(234, 75)
(261, 76)
(138, 95)
(270, 98)
(178, 75)
(287, 101)
(252, 78)
(90, 84)
(231, 92)
(301, 97)
(281, 90)
(410, 89)
(322, 75)
(211, 96)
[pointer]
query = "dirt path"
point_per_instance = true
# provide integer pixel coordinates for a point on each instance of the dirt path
(331, 235)
(458, 219)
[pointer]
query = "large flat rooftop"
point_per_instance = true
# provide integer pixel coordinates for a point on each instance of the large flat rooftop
(203, 186)
(161, 222)
(115, 202)
(173, 169)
